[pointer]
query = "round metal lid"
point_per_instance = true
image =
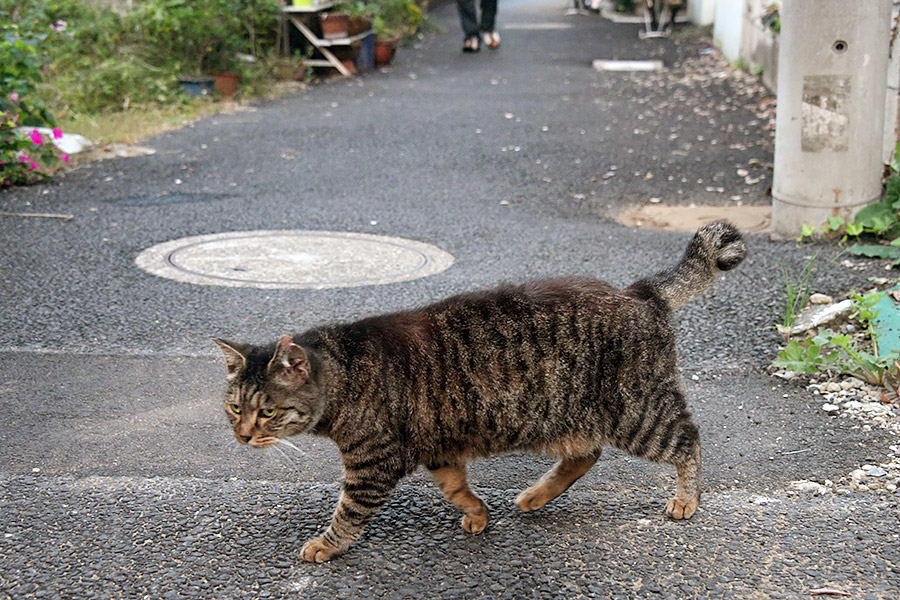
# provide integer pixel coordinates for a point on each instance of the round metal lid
(293, 259)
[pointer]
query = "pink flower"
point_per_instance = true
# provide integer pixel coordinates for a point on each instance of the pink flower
(65, 158)
(29, 162)
(36, 137)
(14, 97)
(57, 133)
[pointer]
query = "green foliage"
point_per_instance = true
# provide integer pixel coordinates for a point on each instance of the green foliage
(359, 8)
(401, 19)
(806, 231)
(107, 62)
(200, 36)
(625, 6)
(771, 18)
(841, 354)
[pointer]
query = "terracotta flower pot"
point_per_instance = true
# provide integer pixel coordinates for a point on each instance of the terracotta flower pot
(385, 50)
(335, 25)
(358, 24)
(226, 83)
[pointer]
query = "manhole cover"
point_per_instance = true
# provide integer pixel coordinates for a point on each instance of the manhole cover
(293, 259)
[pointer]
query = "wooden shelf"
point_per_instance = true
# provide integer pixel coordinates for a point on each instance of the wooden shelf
(296, 15)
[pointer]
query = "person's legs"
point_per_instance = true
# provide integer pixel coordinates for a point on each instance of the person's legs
(468, 17)
(488, 15)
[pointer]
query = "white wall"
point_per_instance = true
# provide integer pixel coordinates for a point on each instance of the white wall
(727, 27)
(701, 12)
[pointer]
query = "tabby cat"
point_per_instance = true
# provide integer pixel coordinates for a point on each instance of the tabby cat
(561, 366)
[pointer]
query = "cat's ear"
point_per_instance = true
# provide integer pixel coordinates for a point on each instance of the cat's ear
(289, 364)
(235, 357)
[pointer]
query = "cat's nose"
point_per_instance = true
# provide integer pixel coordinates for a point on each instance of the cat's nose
(244, 439)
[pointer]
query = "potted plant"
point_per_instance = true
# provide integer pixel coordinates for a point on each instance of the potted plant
(222, 66)
(395, 21)
(335, 24)
(197, 36)
(361, 14)
(385, 47)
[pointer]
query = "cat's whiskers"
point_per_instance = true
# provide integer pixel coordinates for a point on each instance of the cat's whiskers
(281, 452)
(290, 445)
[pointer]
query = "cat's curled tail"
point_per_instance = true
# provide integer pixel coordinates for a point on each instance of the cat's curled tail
(715, 247)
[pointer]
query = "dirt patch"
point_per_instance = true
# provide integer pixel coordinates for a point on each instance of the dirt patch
(752, 219)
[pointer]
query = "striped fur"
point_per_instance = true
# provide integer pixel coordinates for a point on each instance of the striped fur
(562, 366)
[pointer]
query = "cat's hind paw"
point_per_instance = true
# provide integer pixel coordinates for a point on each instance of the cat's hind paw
(318, 550)
(532, 499)
(678, 508)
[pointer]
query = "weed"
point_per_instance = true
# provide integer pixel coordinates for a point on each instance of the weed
(798, 289)
(843, 354)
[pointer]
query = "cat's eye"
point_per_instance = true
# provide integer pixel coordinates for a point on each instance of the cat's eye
(268, 412)
(235, 408)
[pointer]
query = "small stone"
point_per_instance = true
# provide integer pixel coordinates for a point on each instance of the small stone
(787, 375)
(762, 500)
(877, 472)
(857, 475)
(821, 299)
(804, 485)
(830, 408)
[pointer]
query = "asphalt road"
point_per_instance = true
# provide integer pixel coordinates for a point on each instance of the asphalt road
(120, 477)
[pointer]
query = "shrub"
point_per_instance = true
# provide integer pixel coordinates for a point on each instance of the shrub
(23, 155)
(201, 36)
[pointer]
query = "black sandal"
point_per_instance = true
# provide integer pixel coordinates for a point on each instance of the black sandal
(472, 44)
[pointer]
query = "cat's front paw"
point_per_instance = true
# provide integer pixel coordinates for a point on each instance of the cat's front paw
(475, 523)
(318, 550)
(678, 508)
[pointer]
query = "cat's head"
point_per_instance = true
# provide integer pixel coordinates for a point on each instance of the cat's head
(271, 391)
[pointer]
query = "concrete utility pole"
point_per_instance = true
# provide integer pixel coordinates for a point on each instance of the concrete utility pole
(832, 77)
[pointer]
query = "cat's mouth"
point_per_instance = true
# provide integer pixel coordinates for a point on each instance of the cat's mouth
(258, 441)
